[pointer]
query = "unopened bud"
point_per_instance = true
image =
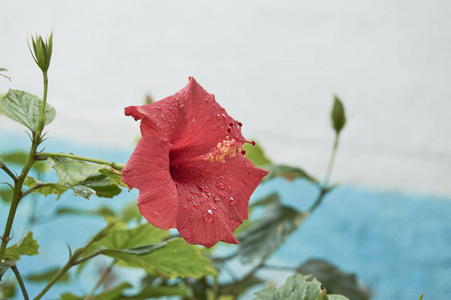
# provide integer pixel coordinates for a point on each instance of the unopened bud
(42, 51)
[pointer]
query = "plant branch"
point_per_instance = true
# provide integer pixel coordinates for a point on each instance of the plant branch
(45, 155)
(331, 162)
(18, 184)
(19, 279)
(9, 172)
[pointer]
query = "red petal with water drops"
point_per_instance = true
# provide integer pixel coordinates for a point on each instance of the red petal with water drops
(206, 186)
(191, 120)
(214, 197)
(148, 170)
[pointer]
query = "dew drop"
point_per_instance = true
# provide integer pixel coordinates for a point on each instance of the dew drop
(218, 116)
(185, 208)
(209, 217)
(232, 201)
(190, 218)
(199, 217)
(213, 126)
(220, 185)
(194, 120)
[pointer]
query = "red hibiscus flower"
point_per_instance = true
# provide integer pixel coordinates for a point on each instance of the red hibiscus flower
(189, 168)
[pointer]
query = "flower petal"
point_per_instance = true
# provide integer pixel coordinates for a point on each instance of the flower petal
(200, 221)
(214, 197)
(148, 170)
(191, 119)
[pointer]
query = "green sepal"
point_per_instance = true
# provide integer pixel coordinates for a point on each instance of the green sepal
(337, 115)
(42, 51)
(25, 109)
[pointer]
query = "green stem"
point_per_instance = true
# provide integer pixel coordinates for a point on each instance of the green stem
(45, 155)
(18, 184)
(325, 188)
(331, 162)
(8, 171)
(19, 279)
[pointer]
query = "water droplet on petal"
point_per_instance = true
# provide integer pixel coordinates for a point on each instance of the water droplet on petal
(209, 217)
(220, 185)
(232, 201)
(190, 219)
(185, 208)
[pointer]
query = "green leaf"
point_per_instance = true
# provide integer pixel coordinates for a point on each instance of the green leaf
(7, 290)
(71, 171)
(337, 115)
(26, 246)
(256, 155)
(83, 191)
(263, 236)
(47, 276)
(4, 266)
(295, 288)
(120, 238)
(19, 158)
(139, 250)
(102, 211)
(25, 108)
(129, 213)
(6, 194)
(334, 280)
(114, 176)
(111, 294)
(45, 188)
(288, 172)
(102, 185)
(177, 259)
(160, 291)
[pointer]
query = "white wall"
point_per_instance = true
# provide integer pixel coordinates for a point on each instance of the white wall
(274, 65)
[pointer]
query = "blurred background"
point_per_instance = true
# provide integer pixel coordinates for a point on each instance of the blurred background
(275, 66)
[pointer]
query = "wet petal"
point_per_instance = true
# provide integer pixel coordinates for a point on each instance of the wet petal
(148, 170)
(200, 221)
(215, 198)
(191, 119)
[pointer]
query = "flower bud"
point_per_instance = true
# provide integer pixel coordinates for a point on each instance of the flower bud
(42, 51)
(337, 115)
